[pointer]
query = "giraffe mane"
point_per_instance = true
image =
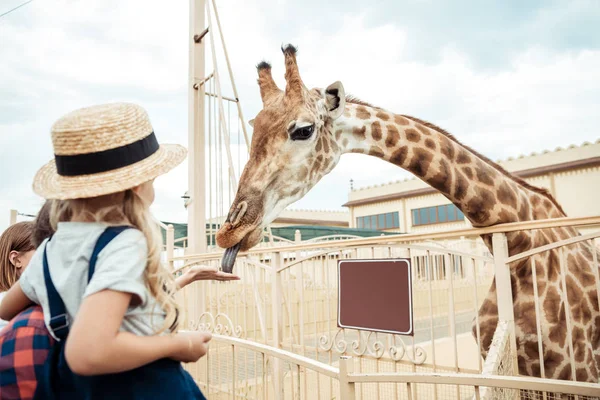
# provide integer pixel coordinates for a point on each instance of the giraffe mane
(356, 100)
(542, 191)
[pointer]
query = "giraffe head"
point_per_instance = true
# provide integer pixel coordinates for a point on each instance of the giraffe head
(292, 149)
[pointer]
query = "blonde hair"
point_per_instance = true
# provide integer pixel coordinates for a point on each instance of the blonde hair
(128, 208)
(16, 237)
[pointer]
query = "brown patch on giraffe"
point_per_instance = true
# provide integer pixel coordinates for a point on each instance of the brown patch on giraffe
(463, 157)
(518, 243)
(345, 142)
(320, 158)
(412, 135)
(525, 311)
(303, 173)
(447, 149)
(524, 211)
(507, 196)
(393, 136)
(442, 181)
(295, 192)
(376, 151)
(553, 266)
(558, 333)
(579, 344)
(547, 203)
(552, 360)
(420, 162)
(376, 131)
(326, 145)
(536, 371)
(535, 200)
(565, 374)
(581, 375)
(382, 116)
(574, 292)
(362, 112)
(399, 156)
(401, 120)
(480, 205)
(461, 186)
(319, 145)
(360, 133)
(430, 143)
(468, 172)
(338, 134)
(482, 174)
(531, 350)
(423, 130)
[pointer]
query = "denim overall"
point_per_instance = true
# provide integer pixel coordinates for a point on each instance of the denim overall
(162, 379)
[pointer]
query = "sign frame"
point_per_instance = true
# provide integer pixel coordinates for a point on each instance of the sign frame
(407, 265)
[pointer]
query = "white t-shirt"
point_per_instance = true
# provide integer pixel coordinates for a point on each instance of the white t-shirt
(120, 267)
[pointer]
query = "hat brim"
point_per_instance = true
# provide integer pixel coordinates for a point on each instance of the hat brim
(50, 185)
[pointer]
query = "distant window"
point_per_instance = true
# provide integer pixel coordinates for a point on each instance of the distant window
(380, 221)
(436, 215)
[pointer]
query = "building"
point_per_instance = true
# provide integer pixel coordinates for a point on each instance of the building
(572, 175)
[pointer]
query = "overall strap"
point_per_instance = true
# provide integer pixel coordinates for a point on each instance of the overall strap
(59, 322)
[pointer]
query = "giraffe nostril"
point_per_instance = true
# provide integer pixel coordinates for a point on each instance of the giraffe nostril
(238, 213)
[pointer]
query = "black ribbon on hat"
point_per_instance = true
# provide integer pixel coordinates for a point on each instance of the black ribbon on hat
(106, 160)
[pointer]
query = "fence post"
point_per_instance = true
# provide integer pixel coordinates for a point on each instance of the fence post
(276, 298)
(13, 217)
(170, 246)
(347, 389)
(504, 293)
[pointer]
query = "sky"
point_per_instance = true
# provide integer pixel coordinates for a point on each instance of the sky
(506, 78)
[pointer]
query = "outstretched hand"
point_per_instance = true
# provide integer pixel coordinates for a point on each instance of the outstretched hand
(203, 273)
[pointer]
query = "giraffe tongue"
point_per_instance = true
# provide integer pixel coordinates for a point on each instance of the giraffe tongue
(229, 258)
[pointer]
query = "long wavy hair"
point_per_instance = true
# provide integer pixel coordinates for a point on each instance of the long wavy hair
(129, 209)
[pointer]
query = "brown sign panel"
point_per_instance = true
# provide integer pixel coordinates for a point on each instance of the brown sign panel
(375, 295)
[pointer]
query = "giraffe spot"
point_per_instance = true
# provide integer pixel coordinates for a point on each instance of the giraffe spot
(401, 120)
(480, 205)
(447, 149)
(430, 143)
(536, 371)
(468, 172)
(320, 158)
(552, 360)
(558, 334)
(362, 112)
(360, 133)
(423, 130)
(531, 350)
(399, 156)
(489, 308)
(463, 157)
(319, 145)
(552, 305)
(420, 162)
(525, 312)
(345, 142)
(535, 200)
(326, 145)
(442, 181)
(483, 175)
(376, 131)
(579, 344)
(461, 187)
(295, 192)
(382, 116)
(338, 134)
(553, 267)
(565, 374)
(518, 243)
(393, 136)
(547, 203)
(412, 135)
(522, 362)
(376, 151)
(574, 292)
(524, 211)
(302, 173)
(506, 195)
(582, 375)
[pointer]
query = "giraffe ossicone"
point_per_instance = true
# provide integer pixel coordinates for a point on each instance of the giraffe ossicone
(299, 137)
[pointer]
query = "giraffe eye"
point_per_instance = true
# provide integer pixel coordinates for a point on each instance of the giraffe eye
(303, 133)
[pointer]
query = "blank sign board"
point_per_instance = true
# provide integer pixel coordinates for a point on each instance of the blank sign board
(375, 295)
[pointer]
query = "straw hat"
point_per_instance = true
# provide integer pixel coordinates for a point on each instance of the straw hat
(104, 149)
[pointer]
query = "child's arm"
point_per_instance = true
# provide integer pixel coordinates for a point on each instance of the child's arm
(96, 346)
(14, 302)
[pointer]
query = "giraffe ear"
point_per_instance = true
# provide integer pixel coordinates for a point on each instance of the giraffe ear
(251, 122)
(335, 99)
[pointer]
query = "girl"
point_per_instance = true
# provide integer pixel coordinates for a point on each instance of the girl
(16, 250)
(120, 324)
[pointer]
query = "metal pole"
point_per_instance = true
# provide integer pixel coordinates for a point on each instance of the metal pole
(196, 150)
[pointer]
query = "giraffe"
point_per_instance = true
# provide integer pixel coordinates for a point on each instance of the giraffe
(299, 137)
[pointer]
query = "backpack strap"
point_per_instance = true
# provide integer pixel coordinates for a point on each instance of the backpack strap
(59, 321)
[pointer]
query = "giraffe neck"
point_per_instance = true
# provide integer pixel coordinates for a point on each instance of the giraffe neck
(485, 193)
